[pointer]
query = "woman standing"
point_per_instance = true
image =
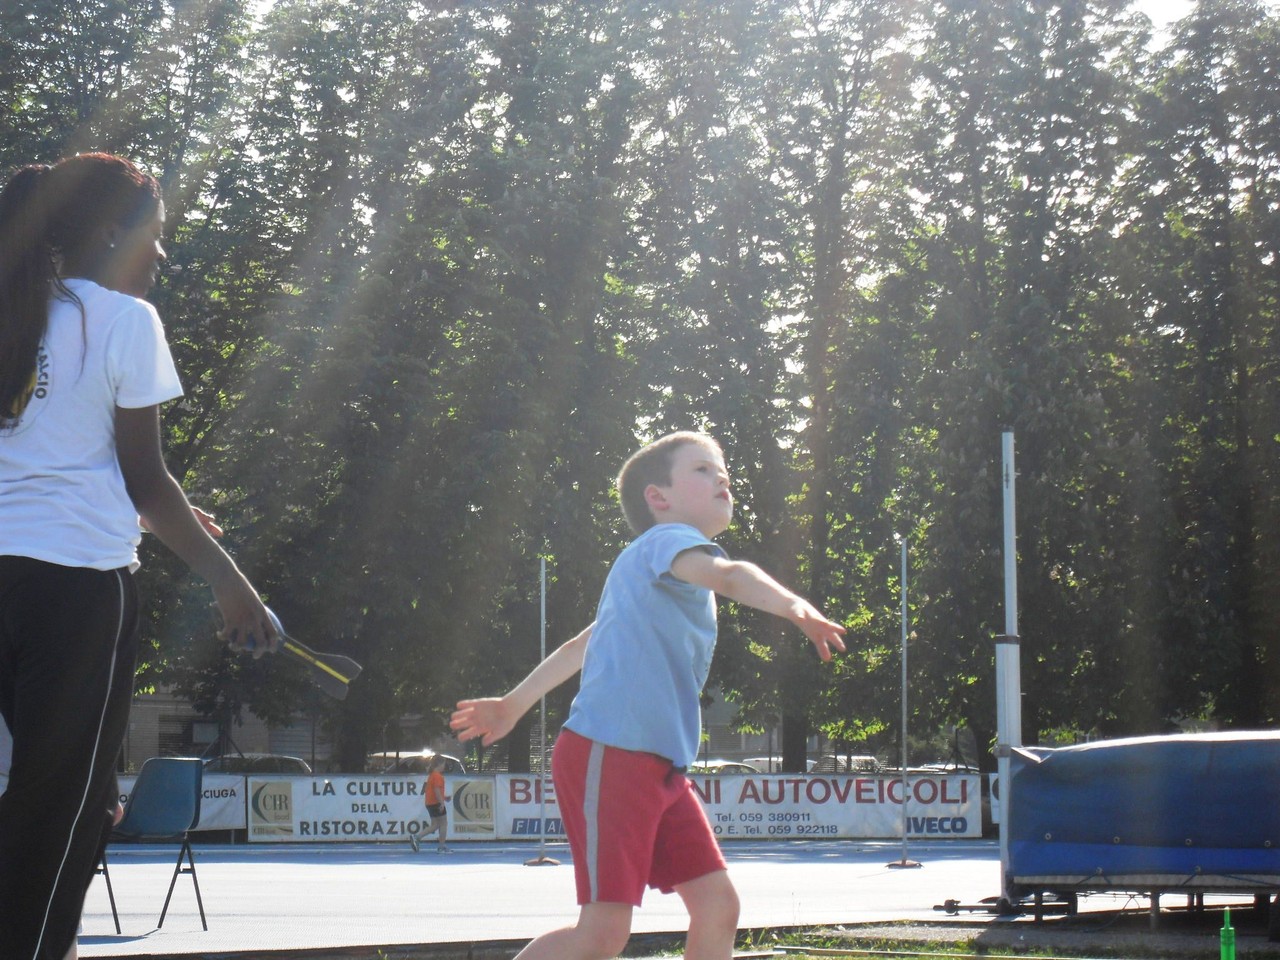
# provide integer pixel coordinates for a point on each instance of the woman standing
(83, 368)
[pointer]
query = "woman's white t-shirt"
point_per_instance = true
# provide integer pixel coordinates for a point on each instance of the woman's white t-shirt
(62, 495)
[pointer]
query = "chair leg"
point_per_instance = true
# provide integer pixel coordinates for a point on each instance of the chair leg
(106, 875)
(177, 869)
(191, 859)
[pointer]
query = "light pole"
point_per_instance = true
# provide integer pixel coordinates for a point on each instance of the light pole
(906, 784)
(542, 859)
(1008, 669)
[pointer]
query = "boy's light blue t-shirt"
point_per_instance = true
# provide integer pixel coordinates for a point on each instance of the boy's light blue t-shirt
(650, 651)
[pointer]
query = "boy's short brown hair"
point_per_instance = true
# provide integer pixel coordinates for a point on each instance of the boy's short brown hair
(651, 464)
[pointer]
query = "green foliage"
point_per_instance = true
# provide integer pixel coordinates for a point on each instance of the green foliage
(437, 269)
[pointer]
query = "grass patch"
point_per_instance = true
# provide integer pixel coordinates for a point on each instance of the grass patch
(1098, 937)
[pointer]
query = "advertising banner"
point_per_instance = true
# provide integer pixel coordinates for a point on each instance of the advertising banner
(221, 801)
(781, 806)
(472, 808)
(322, 809)
(787, 807)
(511, 807)
(518, 807)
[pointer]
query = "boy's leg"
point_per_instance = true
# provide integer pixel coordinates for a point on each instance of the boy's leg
(688, 861)
(601, 932)
(712, 903)
(442, 825)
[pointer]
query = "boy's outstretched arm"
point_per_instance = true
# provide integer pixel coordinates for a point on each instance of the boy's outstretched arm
(744, 582)
(493, 717)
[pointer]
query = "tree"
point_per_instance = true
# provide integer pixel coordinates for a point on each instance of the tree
(1205, 245)
(438, 269)
(1025, 109)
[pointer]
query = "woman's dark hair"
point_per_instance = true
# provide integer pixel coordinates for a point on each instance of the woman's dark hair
(48, 214)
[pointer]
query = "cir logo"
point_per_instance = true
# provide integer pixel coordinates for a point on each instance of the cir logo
(473, 807)
(271, 809)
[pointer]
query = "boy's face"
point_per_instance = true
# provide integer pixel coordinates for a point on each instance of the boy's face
(698, 493)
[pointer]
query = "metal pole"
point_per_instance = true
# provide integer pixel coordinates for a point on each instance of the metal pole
(1008, 666)
(906, 787)
(542, 858)
(906, 782)
(542, 706)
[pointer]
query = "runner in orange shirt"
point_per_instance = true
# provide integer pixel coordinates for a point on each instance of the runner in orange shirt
(434, 796)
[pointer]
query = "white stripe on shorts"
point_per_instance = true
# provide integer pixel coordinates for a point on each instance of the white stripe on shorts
(591, 815)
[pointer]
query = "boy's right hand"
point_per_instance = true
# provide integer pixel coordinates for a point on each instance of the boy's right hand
(490, 717)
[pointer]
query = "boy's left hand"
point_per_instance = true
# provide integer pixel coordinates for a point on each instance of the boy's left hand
(824, 634)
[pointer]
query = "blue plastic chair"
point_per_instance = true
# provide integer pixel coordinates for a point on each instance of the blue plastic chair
(164, 805)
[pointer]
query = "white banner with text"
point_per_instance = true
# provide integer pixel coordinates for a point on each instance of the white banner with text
(512, 806)
(221, 800)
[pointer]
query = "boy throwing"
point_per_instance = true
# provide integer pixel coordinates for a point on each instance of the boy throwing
(631, 816)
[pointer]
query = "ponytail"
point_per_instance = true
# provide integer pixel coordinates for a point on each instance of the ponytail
(27, 277)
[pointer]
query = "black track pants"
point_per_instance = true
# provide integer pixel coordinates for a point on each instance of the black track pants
(68, 645)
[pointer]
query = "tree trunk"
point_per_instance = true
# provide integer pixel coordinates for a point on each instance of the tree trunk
(795, 734)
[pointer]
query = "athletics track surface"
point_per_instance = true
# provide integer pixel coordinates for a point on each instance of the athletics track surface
(265, 898)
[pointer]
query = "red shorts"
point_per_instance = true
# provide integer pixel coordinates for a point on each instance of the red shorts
(632, 820)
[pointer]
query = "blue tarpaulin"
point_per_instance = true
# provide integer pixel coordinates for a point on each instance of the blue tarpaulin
(1200, 811)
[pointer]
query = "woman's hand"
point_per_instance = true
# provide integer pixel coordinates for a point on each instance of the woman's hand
(245, 623)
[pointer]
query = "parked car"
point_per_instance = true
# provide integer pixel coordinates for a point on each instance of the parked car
(717, 767)
(829, 763)
(773, 764)
(257, 764)
(406, 762)
(951, 766)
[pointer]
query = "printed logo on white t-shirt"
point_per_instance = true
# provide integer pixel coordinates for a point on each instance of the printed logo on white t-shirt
(28, 407)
